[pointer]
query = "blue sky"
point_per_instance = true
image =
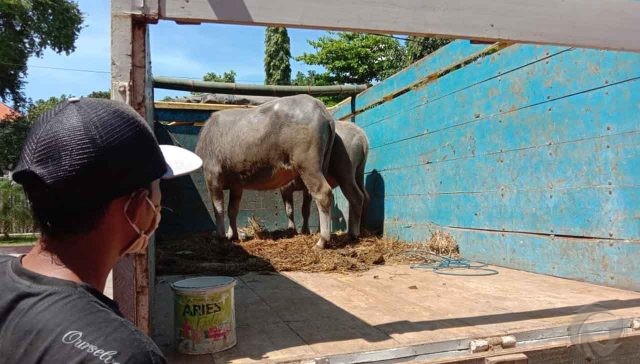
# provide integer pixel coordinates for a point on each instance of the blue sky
(176, 50)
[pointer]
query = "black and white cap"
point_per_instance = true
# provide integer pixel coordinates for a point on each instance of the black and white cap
(87, 152)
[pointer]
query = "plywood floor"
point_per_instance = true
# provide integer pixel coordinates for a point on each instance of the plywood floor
(296, 315)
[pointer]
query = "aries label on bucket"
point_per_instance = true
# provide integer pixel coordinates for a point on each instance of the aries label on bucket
(205, 321)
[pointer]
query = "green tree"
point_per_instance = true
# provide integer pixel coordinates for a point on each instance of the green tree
(313, 78)
(14, 131)
(100, 94)
(356, 58)
(37, 108)
(419, 47)
(15, 214)
(27, 28)
(229, 77)
(276, 56)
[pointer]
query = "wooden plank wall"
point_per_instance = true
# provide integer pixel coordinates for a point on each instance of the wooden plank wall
(187, 199)
(529, 156)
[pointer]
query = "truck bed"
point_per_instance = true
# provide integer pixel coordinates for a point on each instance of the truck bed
(395, 313)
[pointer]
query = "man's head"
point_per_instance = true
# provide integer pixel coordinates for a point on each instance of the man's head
(87, 157)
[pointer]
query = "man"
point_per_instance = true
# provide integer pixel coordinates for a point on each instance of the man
(91, 171)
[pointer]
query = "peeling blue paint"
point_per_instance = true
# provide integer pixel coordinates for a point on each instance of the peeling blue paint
(511, 151)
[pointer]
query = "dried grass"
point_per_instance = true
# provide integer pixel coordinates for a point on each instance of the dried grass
(282, 251)
(443, 243)
(255, 229)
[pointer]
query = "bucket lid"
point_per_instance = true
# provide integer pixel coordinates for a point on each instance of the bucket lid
(203, 283)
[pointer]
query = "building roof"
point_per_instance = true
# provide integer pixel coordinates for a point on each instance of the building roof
(6, 111)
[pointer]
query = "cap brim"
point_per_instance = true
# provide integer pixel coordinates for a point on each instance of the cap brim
(179, 161)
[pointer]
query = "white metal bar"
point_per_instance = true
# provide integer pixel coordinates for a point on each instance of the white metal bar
(457, 348)
(610, 24)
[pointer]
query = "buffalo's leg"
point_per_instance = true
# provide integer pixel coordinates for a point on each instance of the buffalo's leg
(356, 200)
(287, 198)
(365, 194)
(235, 196)
(306, 211)
(217, 200)
(321, 192)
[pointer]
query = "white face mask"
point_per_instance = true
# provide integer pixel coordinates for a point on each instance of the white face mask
(140, 244)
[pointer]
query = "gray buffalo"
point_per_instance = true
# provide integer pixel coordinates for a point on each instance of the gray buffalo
(346, 169)
(265, 148)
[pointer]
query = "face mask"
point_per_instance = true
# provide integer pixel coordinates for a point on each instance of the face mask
(140, 244)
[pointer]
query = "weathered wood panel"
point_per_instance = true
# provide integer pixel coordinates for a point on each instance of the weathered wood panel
(609, 24)
(188, 116)
(438, 61)
(484, 69)
(511, 151)
(556, 77)
(500, 141)
(373, 317)
(601, 261)
(501, 136)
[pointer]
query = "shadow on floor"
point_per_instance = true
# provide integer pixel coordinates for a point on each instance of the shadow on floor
(278, 318)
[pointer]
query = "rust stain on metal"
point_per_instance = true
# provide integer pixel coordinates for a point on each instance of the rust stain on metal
(516, 88)
(605, 263)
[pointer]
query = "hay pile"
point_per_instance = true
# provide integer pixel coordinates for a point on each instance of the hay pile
(281, 251)
(442, 243)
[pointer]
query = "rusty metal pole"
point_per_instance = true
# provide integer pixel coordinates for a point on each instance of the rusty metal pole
(170, 83)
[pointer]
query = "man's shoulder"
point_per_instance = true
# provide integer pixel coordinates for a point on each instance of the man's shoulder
(95, 334)
(123, 344)
(99, 331)
(73, 325)
(4, 259)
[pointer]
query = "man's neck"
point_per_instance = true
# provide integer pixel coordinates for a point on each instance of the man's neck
(86, 259)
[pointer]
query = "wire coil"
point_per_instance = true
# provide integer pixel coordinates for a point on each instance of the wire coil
(450, 266)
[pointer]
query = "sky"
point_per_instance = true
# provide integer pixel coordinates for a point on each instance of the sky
(187, 51)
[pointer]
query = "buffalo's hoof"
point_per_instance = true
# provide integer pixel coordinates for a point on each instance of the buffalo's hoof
(319, 245)
(305, 231)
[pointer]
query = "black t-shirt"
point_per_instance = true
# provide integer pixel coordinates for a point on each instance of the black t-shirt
(50, 320)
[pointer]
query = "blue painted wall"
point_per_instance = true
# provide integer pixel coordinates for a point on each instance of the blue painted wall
(529, 156)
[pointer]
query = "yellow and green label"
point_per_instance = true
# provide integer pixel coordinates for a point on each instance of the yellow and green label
(204, 317)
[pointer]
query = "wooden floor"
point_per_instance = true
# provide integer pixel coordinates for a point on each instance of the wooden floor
(309, 315)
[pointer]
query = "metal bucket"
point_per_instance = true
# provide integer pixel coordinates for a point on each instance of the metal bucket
(205, 319)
